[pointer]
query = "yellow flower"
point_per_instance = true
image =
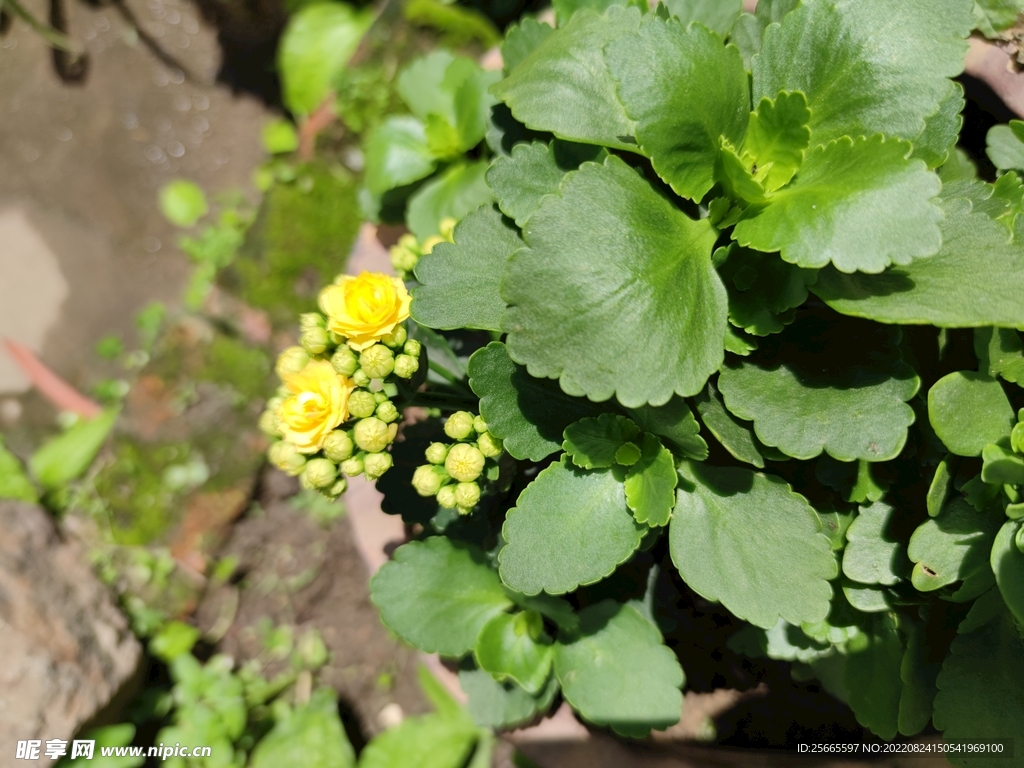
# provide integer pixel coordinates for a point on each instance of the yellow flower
(366, 308)
(318, 404)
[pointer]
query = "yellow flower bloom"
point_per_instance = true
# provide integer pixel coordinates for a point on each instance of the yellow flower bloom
(318, 404)
(366, 308)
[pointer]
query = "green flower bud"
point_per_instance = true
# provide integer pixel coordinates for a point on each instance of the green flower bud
(392, 432)
(396, 338)
(437, 453)
(336, 338)
(371, 435)
(339, 487)
(376, 464)
(361, 378)
(345, 361)
(463, 510)
(269, 423)
(447, 228)
(489, 445)
(428, 479)
(1017, 438)
(459, 425)
(479, 425)
(387, 411)
(446, 497)
(292, 360)
(405, 254)
(406, 366)
(377, 361)
(361, 404)
(338, 446)
(464, 462)
(286, 457)
(319, 473)
(353, 466)
(379, 397)
(315, 340)
(412, 348)
(312, 320)
(467, 494)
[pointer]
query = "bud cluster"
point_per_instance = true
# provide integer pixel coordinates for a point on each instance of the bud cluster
(408, 251)
(459, 473)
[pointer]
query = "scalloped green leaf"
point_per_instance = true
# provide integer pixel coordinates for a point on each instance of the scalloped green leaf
(651, 483)
(748, 31)
(762, 289)
(968, 411)
(437, 594)
(750, 542)
(951, 547)
(685, 91)
(617, 672)
(859, 204)
(460, 281)
(675, 422)
(564, 87)
(872, 676)
(736, 437)
(1007, 563)
(528, 414)
(1000, 353)
(458, 191)
(839, 53)
(641, 322)
(520, 40)
(941, 129)
(717, 15)
(569, 527)
(777, 137)
(592, 443)
(993, 16)
(515, 647)
(926, 647)
(873, 554)
(503, 705)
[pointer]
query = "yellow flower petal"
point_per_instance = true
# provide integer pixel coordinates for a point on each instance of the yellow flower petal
(366, 308)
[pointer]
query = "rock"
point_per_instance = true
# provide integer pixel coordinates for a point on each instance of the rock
(66, 650)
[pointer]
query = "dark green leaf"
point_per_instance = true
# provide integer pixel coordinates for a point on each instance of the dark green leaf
(674, 422)
(942, 129)
(1001, 466)
(67, 456)
(873, 677)
(953, 546)
(873, 554)
(592, 443)
(968, 411)
(397, 154)
(938, 491)
(651, 484)
(311, 737)
(736, 437)
(1007, 563)
(762, 289)
(515, 647)
(1000, 353)
(716, 15)
(458, 191)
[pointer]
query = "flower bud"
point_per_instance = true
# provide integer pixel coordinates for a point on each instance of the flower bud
(489, 445)
(345, 361)
(353, 466)
(339, 487)
(319, 473)
(412, 348)
(396, 338)
(371, 435)
(269, 423)
(437, 453)
(405, 254)
(379, 397)
(406, 366)
(464, 462)
(467, 494)
(286, 457)
(392, 432)
(361, 404)
(430, 242)
(312, 320)
(338, 446)
(387, 412)
(447, 228)
(315, 340)
(479, 425)
(1017, 438)
(446, 497)
(376, 464)
(292, 360)
(463, 511)
(378, 361)
(459, 425)
(360, 378)
(428, 479)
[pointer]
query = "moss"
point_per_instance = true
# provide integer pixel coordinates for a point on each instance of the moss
(244, 368)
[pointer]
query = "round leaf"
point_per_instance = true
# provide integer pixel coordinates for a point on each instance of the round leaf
(509, 650)
(182, 202)
(458, 191)
(397, 154)
(592, 443)
(503, 705)
(968, 411)
(1008, 565)
(953, 546)
(873, 555)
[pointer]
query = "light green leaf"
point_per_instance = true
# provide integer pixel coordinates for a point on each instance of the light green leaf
(182, 202)
(617, 672)
(777, 137)
(749, 28)
(565, 9)
(942, 129)
(873, 554)
(316, 45)
(14, 483)
(938, 490)
(528, 414)
(968, 411)
(521, 39)
(459, 281)
(976, 279)
(651, 484)
(429, 741)
(992, 16)
(496, 705)
(1007, 563)
(428, 84)
(1000, 353)
(460, 190)
(120, 735)
(736, 437)
(515, 647)
(686, 91)
(787, 642)
(593, 442)
(397, 154)
(438, 594)
(674, 422)
(952, 547)
(312, 737)
(858, 204)
(564, 87)
(748, 541)
(1001, 465)
(67, 456)
(716, 15)
(762, 289)
(569, 527)
(1005, 145)
(279, 137)
(867, 599)
(872, 677)
(839, 53)
(173, 639)
(642, 325)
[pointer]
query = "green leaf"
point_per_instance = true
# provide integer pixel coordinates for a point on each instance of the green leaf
(521, 179)
(716, 15)
(942, 129)
(873, 554)
(993, 16)
(938, 490)
(777, 137)
(564, 87)
(438, 594)
(980, 686)
(569, 527)
(762, 289)
(872, 677)
(528, 414)
(459, 281)
(68, 456)
(1004, 147)
(617, 672)
(429, 741)
(120, 735)
(736, 437)
(312, 737)
(675, 422)
(840, 55)
(642, 325)
(316, 45)
(174, 639)
(503, 705)
(651, 484)
(428, 84)
(279, 137)
(1001, 466)
(1007, 563)
(859, 204)
(458, 191)
(976, 279)
(14, 483)
(521, 39)
(748, 31)
(565, 9)
(397, 154)
(685, 90)
(968, 411)
(951, 547)
(1000, 353)
(926, 646)
(752, 543)
(182, 202)
(593, 442)
(515, 647)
